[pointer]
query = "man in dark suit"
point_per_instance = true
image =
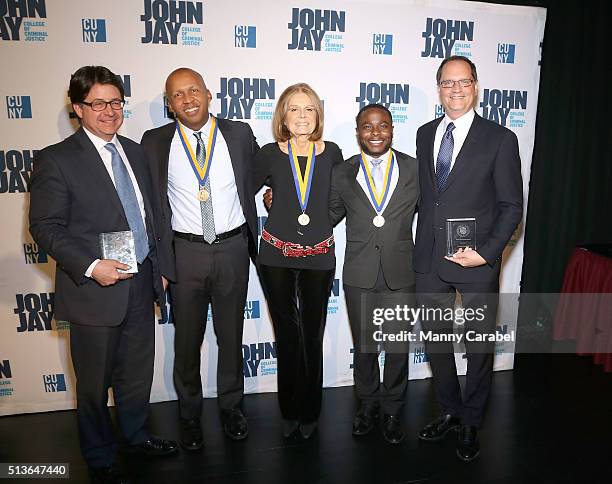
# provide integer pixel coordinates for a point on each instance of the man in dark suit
(95, 182)
(201, 169)
(377, 190)
(468, 168)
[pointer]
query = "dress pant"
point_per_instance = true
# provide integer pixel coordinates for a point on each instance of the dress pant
(433, 292)
(297, 301)
(360, 302)
(217, 275)
(120, 357)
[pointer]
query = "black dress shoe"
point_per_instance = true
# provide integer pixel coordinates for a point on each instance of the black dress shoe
(107, 475)
(308, 429)
(468, 447)
(290, 427)
(154, 447)
(191, 434)
(235, 424)
(365, 419)
(438, 428)
(392, 429)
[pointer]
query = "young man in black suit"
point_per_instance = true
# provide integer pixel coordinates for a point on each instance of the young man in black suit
(469, 167)
(91, 183)
(201, 171)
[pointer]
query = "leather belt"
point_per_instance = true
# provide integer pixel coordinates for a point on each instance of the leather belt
(219, 238)
(289, 249)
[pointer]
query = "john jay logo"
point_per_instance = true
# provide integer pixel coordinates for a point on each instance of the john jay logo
(34, 254)
(259, 359)
(505, 53)
(244, 98)
(332, 303)
(15, 170)
(245, 36)
(382, 44)
(54, 383)
(312, 29)
(165, 19)
(6, 390)
(35, 311)
(444, 38)
(94, 29)
(18, 107)
(505, 107)
(394, 96)
(12, 15)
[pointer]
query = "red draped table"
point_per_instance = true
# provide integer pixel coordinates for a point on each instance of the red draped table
(584, 312)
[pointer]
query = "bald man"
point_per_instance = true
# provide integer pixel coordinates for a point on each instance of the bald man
(201, 167)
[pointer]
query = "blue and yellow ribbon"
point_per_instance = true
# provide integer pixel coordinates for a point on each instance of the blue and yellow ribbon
(201, 173)
(378, 199)
(302, 183)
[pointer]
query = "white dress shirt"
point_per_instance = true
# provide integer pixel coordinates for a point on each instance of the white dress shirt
(183, 186)
(462, 126)
(107, 159)
(383, 165)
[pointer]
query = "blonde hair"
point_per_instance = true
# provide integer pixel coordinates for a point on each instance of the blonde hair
(279, 130)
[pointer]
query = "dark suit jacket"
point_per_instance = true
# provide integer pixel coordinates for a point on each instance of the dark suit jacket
(72, 201)
(366, 245)
(485, 183)
(242, 147)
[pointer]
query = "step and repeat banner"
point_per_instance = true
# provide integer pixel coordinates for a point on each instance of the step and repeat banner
(351, 52)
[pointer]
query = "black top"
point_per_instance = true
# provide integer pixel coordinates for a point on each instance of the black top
(272, 167)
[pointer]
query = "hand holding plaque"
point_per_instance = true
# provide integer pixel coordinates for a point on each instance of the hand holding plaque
(119, 246)
(460, 233)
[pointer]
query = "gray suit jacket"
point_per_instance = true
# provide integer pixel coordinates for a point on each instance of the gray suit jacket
(369, 247)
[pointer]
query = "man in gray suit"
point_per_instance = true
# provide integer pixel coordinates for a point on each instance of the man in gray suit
(377, 191)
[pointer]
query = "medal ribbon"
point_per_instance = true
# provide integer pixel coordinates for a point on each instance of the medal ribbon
(302, 183)
(378, 199)
(201, 173)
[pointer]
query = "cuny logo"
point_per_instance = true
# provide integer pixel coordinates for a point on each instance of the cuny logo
(6, 390)
(394, 96)
(441, 38)
(94, 29)
(164, 19)
(12, 13)
(420, 355)
(18, 107)
(15, 170)
(332, 303)
(259, 359)
(34, 254)
(245, 36)
(497, 106)
(251, 310)
(54, 383)
(505, 53)
(382, 44)
(438, 110)
(238, 97)
(35, 311)
(311, 29)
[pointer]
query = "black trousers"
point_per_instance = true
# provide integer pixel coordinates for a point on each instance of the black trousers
(120, 357)
(366, 372)
(433, 292)
(217, 275)
(297, 301)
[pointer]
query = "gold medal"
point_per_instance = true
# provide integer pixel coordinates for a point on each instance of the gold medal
(304, 219)
(378, 221)
(203, 195)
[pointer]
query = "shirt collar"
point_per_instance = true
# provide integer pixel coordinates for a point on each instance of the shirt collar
(204, 129)
(462, 123)
(98, 142)
(384, 157)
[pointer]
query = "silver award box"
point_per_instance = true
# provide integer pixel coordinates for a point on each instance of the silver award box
(119, 246)
(460, 233)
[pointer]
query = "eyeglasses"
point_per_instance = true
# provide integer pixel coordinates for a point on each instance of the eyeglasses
(100, 105)
(462, 82)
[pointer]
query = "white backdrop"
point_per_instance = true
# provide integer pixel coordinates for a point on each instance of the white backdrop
(351, 52)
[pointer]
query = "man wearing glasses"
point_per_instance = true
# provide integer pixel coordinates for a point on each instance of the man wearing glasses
(469, 168)
(92, 183)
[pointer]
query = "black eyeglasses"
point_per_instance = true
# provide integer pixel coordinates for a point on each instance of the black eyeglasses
(100, 105)
(462, 82)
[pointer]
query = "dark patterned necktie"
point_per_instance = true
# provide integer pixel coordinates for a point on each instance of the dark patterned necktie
(208, 218)
(445, 155)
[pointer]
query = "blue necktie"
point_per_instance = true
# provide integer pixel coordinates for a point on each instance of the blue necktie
(445, 155)
(127, 195)
(206, 208)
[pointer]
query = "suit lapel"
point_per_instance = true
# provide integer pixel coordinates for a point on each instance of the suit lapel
(431, 137)
(232, 148)
(357, 190)
(165, 142)
(138, 169)
(402, 180)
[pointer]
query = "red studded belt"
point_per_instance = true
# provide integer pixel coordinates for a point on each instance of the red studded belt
(289, 249)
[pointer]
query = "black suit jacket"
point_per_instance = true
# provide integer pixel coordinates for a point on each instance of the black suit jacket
(366, 245)
(242, 147)
(72, 201)
(485, 183)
